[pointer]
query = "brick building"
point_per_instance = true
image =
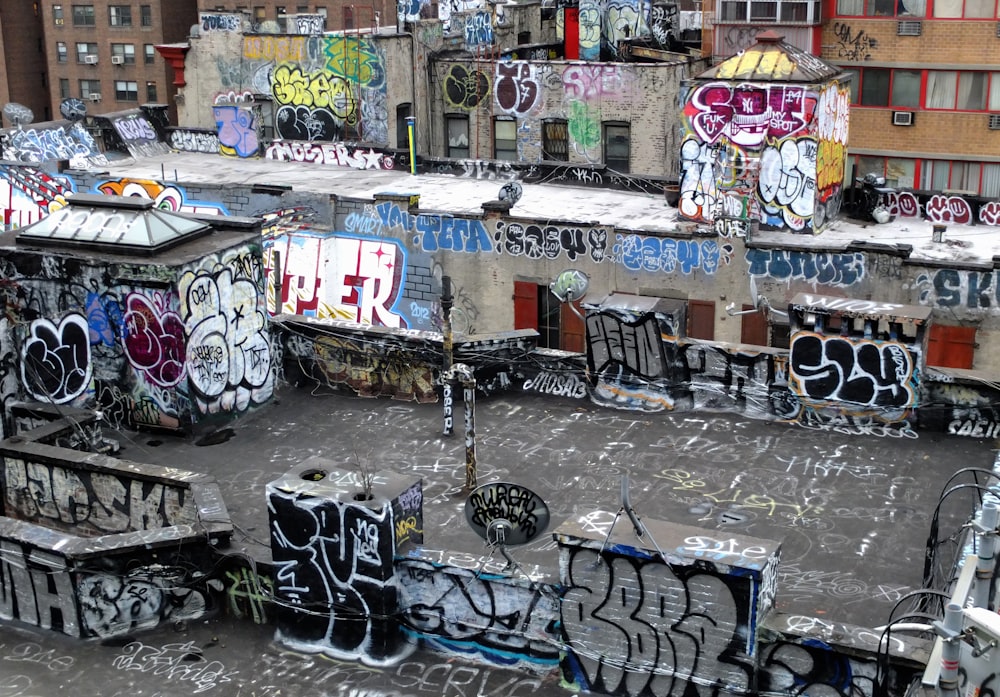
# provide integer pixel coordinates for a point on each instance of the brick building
(23, 72)
(283, 16)
(103, 52)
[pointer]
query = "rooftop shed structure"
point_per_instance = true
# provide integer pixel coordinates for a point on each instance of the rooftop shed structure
(764, 141)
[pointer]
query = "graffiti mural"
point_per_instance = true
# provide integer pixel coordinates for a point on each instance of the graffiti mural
(138, 135)
(72, 143)
(154, 338)
(551, 241)
(373, 371)
(465, 89)
(434, 232)
(452, 609)
(56, 363)
(881, 375)
(238, 129)
(516, 88)
(825, 268)
(190, 140)
(667, 625)
(28, 194)
(167, 197)
(975, 292)
(339, 557)
(656, 254)
(227, 352)
(337, 154)
(324, 102)
(36, 587)
(339, 277)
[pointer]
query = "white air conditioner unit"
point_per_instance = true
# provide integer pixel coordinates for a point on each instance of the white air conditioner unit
(94, 97)
(90, 59)
(902, 118)
(59, 21)
(117, 60)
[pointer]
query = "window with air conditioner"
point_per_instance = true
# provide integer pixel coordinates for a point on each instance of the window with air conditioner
(90, 59)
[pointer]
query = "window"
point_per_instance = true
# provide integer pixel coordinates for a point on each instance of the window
(785, 11)
(458, 135)
(884, 8)
(62, 55)
(83, 16)
(83, 50)
(259, 14)
(89, 87)
(898, 172)
(126, 91)
(555, 140)
(950, 89)
(57, 15)
(150, 53)
(874, 89)
(146, 15)
(120, 15)
(151, 92)
(905, 88)
(617, 146)
(348, 17)
(402, 133)
(64, 88)
(940, 175)
(504, 139)
(125, 51)
(969, 9)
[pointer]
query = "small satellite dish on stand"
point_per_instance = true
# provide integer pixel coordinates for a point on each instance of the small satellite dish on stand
(18, 114)
(506, 514)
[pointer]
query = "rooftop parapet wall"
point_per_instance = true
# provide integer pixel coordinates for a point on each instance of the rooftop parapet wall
(84, 535)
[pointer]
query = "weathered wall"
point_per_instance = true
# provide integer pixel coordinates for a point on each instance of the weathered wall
(585, 95)
(151, 344)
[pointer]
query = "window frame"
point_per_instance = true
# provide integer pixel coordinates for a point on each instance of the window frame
(145, 15)
(152, 93)
(614, 163)
(508, 151)
(127, 58)
(149, 54)
(131, 87)
(58, 15)
(561, 152)
(119, 16)
(80, 16)
(86, 87)
(454, 151)
(89, 49)
(62, 52)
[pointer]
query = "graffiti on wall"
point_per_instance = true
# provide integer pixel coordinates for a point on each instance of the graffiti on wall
(434, 232)
(190, 140)
(167, 197)
(516, 88)
(666, 255)
(227, 352)
(551, 241)
(153, 337)
(72, 143)
(338, 557)
(478, 29)
(624, 20)
(337, 154)
(344, 98)
(854, 45)
(56, 363)
(28, 194)
(973, 291)
(380, 370)
(826, 268)
(90, 503)
(36, 588)
(878, 375)
(338, 277)
(465, 89)
(238, 128)
(667, 625)
(748, 115)
(138, 135)
(454, 610)
(113, 604)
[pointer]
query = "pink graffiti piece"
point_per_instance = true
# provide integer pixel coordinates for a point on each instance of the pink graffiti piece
(154, 340)
(903, 204)
(989, 213)
(237, 129)
(515, 88)
(948, 209)
(749, 114)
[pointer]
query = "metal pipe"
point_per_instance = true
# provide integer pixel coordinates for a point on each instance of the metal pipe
(951, 648)
(986, 556)
(470, 431)
(447, 397)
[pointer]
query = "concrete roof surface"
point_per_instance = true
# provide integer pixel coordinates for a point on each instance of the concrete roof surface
(852, 512)
(464, 196)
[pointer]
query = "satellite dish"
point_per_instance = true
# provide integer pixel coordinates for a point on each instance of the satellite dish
(511, 191)
(760, 303)
(571, 284)
(506, 514)
(73, 109)
(18, 114)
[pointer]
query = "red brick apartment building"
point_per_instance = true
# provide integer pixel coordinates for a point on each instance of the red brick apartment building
(100, 51)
